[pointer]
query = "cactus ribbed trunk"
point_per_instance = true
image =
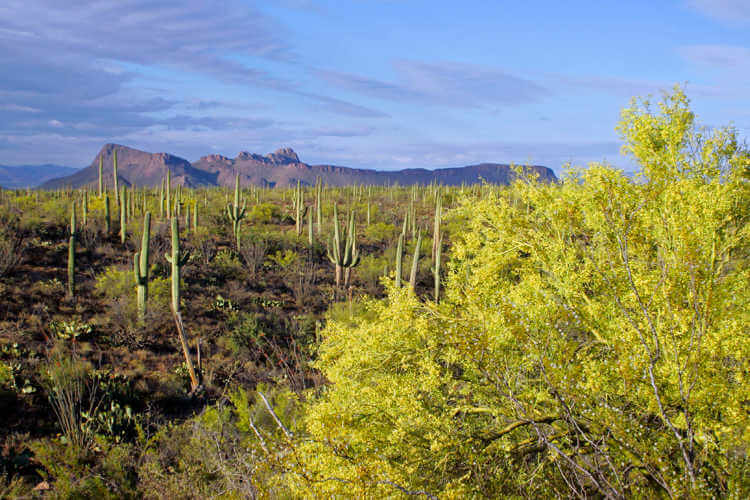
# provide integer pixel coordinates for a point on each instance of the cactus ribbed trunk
(123, 216)
(107, 217)
(85, 208)
(177, 262)
(436, 270)
(399, 260)
(318, 209)
(114, 169)
(101, 171)
(415, 263)
(72, 253)
(235, 213)
(140, 268)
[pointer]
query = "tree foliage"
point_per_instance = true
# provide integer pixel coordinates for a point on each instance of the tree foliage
(592, 340)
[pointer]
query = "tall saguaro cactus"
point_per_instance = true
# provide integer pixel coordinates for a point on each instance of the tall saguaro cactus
(299, 208)
(343, 254)
(123, 215)
(399, 259)
(85, 208)
(168, 188)
(178, 260)
(114, 168)
(236, 214)
(415, 262)
(107, 217)
(436, 269)
(140, 267)
(318, 209)
(101, 171)
(72, 253)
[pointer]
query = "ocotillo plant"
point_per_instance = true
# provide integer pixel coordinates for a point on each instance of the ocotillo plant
(140, 268)
(107, 217)
(342, 253)
(415, 263)
(399, 259)
(177, 260)
(114, 168)
(72, 253)
(236, 214)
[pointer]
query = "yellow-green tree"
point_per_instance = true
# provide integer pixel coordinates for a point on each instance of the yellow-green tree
(592, 341)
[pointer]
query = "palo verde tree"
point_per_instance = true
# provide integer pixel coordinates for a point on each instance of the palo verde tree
(591, 340)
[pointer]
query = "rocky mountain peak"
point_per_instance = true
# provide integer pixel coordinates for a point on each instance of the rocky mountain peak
(284, 155)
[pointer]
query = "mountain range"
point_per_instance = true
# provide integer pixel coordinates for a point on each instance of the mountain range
(15, 177)
(281, 168)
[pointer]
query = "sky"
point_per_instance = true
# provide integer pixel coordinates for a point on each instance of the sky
(385, 84)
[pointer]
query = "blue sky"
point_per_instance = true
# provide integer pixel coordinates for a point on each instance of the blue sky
(365, 83)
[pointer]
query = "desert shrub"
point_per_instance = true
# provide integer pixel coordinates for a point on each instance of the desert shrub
(218, 453)
(13, 241)
(203, 244)
(254, 249)
(7, 379)
(122, 321)
(380, 232)
(263, 213)
(370, 269)
(246, 332)
(587, 344)
(107, 474)
(226, 265)
(72, 394)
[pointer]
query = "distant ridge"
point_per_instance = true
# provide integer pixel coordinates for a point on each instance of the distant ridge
(281, 168)
(23, 176)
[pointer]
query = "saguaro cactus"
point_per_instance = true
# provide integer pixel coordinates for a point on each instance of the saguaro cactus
(107, 217)
(310, 236)
(415, 262)
(140, 267)
(123, 216)
(161, 200)
(114, 168)
(72, 253)
(177, 260)
(85, 208)
(168, 188)
(399, 259)
(236, 214)
(343, 254)
(318, 210)
(187, 217)
(436, 268)
(101, 170)
(299, 208)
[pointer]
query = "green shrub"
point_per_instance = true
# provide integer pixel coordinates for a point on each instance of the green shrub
(264, 213)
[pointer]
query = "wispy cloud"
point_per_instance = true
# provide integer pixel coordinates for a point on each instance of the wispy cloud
(451, 84)
(726, 57)
(730, 11)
